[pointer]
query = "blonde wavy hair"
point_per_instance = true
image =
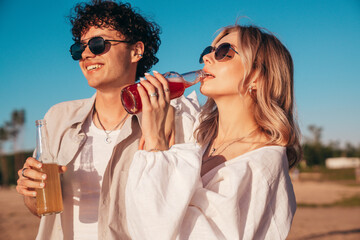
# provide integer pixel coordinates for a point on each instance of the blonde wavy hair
(267, 61)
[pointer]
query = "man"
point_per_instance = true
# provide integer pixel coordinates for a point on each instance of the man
(95, 138)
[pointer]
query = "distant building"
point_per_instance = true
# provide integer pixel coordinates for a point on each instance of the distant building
(342, 162)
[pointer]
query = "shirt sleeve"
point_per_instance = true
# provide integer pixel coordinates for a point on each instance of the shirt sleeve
(187, 110)
(165, 199)
(158, 191)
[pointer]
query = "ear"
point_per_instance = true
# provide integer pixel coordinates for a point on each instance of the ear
(254, 84)
(137, 51)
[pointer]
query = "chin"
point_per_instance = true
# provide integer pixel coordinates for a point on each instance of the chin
(207, 91)
(93, 83)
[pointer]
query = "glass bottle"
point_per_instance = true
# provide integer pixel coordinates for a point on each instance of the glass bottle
(48, 198)
(131, 100)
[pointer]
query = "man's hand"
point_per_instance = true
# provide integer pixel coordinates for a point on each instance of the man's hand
(30, 178)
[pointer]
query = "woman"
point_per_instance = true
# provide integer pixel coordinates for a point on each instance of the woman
(234, 184)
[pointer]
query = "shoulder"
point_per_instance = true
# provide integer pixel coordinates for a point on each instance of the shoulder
(63, 115)
(68, 105)
(268, 163)
(268, 156)
(68, 109)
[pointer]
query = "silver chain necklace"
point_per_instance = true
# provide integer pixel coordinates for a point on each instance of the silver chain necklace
(108, 138)
(214, 149)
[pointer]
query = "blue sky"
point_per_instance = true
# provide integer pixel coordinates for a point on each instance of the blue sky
(37, 71)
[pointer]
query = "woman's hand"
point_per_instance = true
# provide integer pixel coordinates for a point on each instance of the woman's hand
(155, 98)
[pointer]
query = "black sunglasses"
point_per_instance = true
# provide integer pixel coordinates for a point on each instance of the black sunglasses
(96, 46)
(221, 52)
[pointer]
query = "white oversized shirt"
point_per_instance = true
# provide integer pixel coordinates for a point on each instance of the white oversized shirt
(248, 197)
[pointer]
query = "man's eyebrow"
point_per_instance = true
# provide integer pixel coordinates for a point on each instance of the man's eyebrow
(97, 35)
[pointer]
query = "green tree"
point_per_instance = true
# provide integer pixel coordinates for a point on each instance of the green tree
(14, 128)
(312, 148)
(350, 150)
(4, 166)
(315, 152)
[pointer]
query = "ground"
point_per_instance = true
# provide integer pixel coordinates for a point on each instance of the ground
(316, 218)
(327, 222)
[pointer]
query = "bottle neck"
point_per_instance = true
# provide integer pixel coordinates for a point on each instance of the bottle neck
(42, 147)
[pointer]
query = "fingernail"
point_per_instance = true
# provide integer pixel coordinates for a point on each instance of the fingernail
(155, 71)
(39, 165)
(142, 79)
(147, 73)
(42, 184)
(43, 176)
(34, 194)
(138, 85)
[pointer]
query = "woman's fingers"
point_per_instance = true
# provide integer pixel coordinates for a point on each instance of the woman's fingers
(160, 84)
(151, 92)
(157, 87)
(144, 97)
(165, 85)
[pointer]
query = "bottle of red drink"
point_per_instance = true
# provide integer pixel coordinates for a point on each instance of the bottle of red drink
(131, 100)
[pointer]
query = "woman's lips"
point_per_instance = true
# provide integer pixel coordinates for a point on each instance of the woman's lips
(208, 75)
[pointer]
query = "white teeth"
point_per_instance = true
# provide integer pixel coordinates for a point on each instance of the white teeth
(92, 67)
(209, 75)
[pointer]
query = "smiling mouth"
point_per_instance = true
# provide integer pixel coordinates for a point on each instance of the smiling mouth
(93, 67)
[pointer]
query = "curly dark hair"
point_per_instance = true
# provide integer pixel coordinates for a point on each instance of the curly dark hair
(123, 18)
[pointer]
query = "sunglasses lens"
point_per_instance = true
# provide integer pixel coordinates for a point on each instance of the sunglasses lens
(97, 45)
(76, 50)
(222, 51)
(207, 50)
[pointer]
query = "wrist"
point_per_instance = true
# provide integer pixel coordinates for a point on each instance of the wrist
(156, 145)
(153, 150)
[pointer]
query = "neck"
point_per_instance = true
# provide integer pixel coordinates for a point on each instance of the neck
(109, 109)
(235, 122)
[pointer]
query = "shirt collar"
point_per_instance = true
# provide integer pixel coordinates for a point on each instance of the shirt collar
(83, 111)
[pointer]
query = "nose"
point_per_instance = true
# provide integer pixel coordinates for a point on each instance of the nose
(87, 53)
(208, 58)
